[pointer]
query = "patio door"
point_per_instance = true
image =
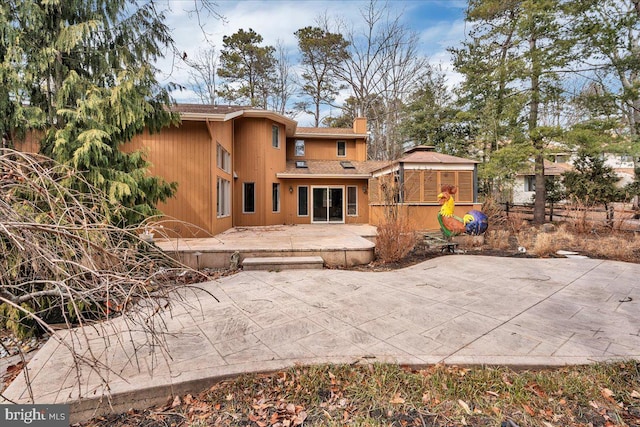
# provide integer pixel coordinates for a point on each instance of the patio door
(328, 204)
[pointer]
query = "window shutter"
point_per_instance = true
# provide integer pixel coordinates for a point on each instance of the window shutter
(430, 187)
(465, 186)
(412, 186)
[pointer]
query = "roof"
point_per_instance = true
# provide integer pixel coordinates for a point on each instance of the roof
(329, 133)
(550, 168)
(331, 169)
(208, 109)
(202, 112)
(425, 156)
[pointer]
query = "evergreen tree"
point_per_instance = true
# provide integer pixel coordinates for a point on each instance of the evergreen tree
(321, 51)
(516, 48)
(247, 68)
(78, 73)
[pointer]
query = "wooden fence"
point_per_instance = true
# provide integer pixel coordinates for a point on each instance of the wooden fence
(622, 215)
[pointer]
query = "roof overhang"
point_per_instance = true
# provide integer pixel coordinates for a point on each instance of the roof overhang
(284, 175)
(332, 135)
(290, 125)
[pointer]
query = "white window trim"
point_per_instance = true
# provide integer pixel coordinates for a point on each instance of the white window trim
(338, 148)
(244, 187)
(278, 142)
(347, 201)
(226, 205)
(298, 201)
(344, 201)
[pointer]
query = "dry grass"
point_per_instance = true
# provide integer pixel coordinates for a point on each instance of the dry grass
(498, 239)
(388, 395)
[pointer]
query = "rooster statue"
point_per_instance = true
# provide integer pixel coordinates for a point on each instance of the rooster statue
(473, 222)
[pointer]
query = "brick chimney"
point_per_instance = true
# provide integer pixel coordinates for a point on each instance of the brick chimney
(360, 125)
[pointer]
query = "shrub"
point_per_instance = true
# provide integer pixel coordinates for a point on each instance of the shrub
(396, 238)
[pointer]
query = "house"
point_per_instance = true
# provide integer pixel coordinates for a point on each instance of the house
(524, 186)
(413, 183)
(239, 166)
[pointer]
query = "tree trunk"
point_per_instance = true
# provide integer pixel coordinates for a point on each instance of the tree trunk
(536, 139)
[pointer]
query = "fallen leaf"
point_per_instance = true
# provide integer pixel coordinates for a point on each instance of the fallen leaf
(229, 396)
(396, 399)
(635, 394)
(492, 393)
(530, 411)
(594, 404)
(291, 408)
(606, 393)
(426, 397)
(176, 402)
(300, 418)
(496, 410)
(547, 424)
(465, 406)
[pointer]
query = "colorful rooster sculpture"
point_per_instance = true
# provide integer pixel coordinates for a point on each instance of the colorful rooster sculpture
(474, 222)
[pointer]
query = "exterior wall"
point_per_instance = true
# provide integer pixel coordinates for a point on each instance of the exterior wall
(290, 199)
(519, 195)
(30, 143)
(423, 185)
(327, 149)
(183, 154)
(421, 217)
(221, 133)
(256, 160)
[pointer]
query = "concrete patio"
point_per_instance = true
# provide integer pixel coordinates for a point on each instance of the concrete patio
(338, 244)
(457, 309)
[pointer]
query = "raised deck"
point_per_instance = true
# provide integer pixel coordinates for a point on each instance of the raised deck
(339, 245)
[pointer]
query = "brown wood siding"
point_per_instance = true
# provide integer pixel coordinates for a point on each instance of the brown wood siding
(30, 143)
(290, 199)
(374, 190)
(256, 160)
(182, 155)
(327, 149)
(421, 217)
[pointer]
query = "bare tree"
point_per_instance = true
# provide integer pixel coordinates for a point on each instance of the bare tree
(202, 74)
(383, 68)
(283, 80)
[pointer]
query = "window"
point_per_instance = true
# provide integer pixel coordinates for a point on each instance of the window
(342, 148)
(249, 197)
(301, 164)
(303, 201)
(352, 201)
(530, 183)
(223, 158)
(275, 197)
(275, 136)
(299, 148)
(224, 198)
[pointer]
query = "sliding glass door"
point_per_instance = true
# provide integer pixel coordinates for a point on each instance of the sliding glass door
(328, 204)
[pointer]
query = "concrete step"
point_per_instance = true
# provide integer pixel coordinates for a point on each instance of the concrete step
(283, 263)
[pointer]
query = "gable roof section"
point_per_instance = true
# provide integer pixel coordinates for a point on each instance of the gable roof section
(330, 169)
(222, 113)
(341, 133)
(427, 156)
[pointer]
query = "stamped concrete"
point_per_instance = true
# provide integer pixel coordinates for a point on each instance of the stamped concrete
(454, 309)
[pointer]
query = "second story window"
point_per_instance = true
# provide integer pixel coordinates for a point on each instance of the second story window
(299, 148)
(223, 159)
(275, 136)
(342, 148)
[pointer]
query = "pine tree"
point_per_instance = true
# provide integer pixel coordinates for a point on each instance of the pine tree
(518, 46)
(247, 67)
(78, 73)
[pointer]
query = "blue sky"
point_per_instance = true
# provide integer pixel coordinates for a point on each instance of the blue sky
(439, 23)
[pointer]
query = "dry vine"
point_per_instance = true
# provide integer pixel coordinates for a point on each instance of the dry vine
(61, 261)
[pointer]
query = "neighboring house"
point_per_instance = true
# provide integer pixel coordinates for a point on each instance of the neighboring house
(414, 182)
(524, 186)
